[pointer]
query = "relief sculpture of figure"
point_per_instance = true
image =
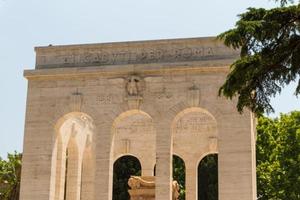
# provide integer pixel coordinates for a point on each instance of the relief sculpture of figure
(136, 182)
(133, 86)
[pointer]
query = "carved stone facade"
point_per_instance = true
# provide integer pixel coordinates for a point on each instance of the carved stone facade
(88, 105)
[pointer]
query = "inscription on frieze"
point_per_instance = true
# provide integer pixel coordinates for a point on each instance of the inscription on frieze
(145, 55)
(195, 123)
(131, 56)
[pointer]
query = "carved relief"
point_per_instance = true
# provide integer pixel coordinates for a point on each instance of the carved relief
(193, 96)
(213, 143)
(134, 88)
(126, 143)
(76, 101)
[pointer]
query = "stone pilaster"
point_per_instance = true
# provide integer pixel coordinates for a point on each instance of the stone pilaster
(163, 189)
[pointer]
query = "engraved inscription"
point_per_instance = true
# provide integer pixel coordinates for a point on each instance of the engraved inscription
(145, 55)
(195, 123)
(162, 95)
(109, 99)
(135, 124)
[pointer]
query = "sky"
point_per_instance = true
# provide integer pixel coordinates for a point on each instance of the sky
(29, 23)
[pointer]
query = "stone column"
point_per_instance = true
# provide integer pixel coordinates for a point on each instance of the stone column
(191, 189)
(104, 169)
(163, 189)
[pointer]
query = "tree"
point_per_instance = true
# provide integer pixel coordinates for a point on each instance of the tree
(10, 175)
(278, 157)
(269, 41)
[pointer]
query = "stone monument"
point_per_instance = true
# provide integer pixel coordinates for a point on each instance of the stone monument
(88, 105)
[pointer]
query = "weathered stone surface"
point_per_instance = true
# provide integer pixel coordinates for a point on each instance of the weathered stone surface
(88, 105)
(159, 51)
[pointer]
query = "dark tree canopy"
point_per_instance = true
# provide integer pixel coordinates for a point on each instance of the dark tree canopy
(269, 41)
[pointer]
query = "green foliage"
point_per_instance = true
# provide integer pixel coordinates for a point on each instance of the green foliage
(278, 157)
(208, 178)
(179, 175)
(269, 41)
(10, 174)
(124, 167)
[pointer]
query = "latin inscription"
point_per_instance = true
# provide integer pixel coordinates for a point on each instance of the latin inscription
(136, 124)
(100, 57)
(195, 123)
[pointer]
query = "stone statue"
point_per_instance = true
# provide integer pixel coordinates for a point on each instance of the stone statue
(136, 182)
(175, 190)
(143, 188)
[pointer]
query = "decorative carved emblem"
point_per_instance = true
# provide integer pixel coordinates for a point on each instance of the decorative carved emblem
(134, 87)
(213, 143)
(126, 143)
(193, 96)
(76, 101)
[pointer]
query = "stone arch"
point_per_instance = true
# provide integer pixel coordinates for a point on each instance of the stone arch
(126, 154)
(73, 135)
(129, 131)
(198, 128)
(107, 126)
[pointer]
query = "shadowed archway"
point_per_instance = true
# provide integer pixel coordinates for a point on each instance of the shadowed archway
(124, 167)
(208, 178)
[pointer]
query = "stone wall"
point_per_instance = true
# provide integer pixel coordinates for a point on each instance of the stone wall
(150, 108)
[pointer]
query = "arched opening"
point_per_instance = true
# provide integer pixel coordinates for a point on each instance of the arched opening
(68, 158)
(124, 167)
(179, 175)
(208, 178)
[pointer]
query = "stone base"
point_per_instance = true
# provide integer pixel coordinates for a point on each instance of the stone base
(142, 194)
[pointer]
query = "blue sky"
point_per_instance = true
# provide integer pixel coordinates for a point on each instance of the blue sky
(29, 23)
